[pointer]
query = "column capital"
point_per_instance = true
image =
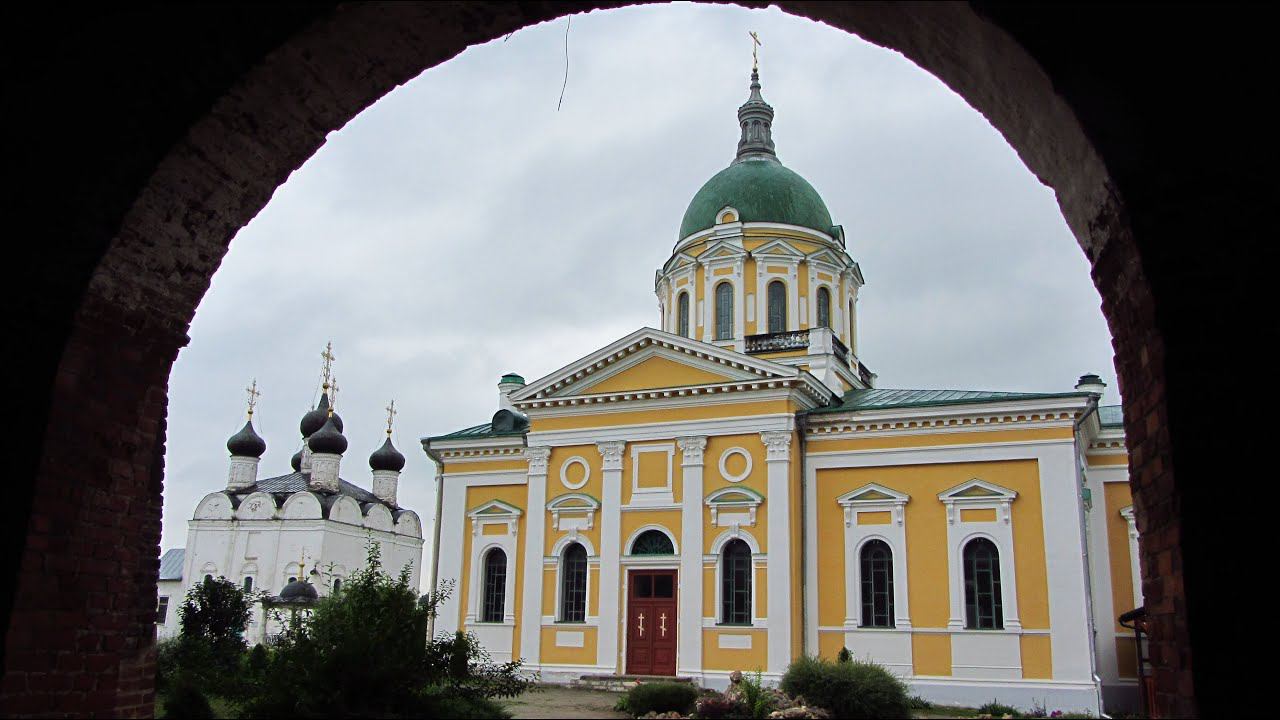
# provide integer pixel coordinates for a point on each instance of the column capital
(778, 445)
(537, 457)
(611, 453)
(692, 448)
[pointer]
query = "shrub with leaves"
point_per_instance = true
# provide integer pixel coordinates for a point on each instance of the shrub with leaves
(209, 650)
(995, 709)
(853, 689)
(844, 656)
(364, 652)
(661, 697)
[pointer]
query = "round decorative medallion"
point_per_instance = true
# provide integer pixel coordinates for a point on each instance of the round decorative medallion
(564, 472)
(724, 464)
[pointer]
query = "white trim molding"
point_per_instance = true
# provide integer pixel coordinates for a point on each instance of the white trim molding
(724, 461)
(1135, 567)
(734, 506)
(878, 499)
(977, 494)
(573, 512)
(564, 472)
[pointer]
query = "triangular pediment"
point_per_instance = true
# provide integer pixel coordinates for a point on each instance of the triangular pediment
(778, 248)
(872, 493)
(721, 250)
(977, 489)
(494, 508)
(648, 360)
(829, 257)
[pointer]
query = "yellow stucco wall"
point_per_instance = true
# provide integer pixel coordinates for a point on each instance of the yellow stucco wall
(553, 655)
(715, 657)
(926, 532)
(516, 495)
(1118, 496)
(722, 407)
(655, 372)
(485, 466)
(1037, 657)
(931, 654)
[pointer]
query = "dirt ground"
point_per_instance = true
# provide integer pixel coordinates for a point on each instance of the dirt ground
(554, 701)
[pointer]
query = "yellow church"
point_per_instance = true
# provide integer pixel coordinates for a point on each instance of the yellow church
(731, 491)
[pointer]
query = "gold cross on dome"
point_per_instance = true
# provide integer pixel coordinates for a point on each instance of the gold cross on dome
(755, 45)
(391, 416)
(253, 395)
(333, 394)
(326, 370)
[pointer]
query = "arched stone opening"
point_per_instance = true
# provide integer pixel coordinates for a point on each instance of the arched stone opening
(177, 152)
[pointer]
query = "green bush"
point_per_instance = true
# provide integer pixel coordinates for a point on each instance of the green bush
(760, 700)
(995, 709)
(853, 689)
(661, 697)
(364, 652)
(184, 700)
(844, 656)
(918, 703)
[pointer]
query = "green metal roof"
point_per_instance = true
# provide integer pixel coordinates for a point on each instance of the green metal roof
(762, 190)
(1111, 415)
(476, 432)
(883, 399)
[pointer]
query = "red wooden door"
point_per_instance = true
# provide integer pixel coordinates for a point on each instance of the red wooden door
(651, 622)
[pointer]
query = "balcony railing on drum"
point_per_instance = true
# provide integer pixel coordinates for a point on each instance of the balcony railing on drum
(777, 342)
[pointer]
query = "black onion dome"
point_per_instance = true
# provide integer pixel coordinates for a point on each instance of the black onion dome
(296, 461)
(246, 443)
(299, 590)
(387, 457)
(315, 419)
(328, 439)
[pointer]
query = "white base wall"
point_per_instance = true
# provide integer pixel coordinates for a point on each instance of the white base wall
(1022, 694)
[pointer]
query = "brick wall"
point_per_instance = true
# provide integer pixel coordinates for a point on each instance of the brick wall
(159, 194)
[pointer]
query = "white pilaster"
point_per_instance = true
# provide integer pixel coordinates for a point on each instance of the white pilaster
(778, 458)
(610, 552)
(535, 530)
(689, 647)
(453, 518)
(1065, 564)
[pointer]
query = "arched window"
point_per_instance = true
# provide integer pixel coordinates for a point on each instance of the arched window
(573, 584)
(876, 561)
(777, 307)
(208, 578)
(337, 584)
(735, 584)
(495, 586)
(682, 315)
(852, 341)
(983, 608)
(652, 542)
(824, 307)
(248, 583)
(724, 311)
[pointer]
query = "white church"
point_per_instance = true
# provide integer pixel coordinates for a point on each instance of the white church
(295, 536)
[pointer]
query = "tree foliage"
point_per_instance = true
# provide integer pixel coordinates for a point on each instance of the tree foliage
(364, 653)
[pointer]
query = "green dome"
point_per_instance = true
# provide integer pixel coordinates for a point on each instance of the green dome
(762, 190)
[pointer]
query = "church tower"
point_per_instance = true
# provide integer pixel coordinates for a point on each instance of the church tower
(760, 268)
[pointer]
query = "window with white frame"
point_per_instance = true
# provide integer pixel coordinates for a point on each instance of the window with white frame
(875, 558)
(981, 568)
(983, 606)
(573, 584)
(876, 561)
(724, 311)
(824, 307)
(777, 306)
(162, 610)
(682, 315)
(735, 583)
(495, 586)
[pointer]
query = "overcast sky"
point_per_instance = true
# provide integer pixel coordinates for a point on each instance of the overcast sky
(462, 227)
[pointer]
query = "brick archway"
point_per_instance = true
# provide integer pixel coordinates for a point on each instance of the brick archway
(129, 251)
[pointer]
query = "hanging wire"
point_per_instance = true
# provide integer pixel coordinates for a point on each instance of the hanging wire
(568, 23)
